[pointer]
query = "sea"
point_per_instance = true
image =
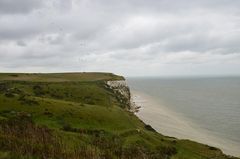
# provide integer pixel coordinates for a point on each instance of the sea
(203, 109)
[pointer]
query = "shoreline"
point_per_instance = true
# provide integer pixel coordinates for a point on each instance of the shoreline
(170, 123)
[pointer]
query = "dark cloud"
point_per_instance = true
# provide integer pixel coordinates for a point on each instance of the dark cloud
(19, 7)
(21, 43)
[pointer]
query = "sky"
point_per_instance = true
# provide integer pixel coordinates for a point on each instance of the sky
(127, 37)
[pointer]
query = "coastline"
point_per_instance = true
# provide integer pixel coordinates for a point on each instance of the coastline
(170, 123)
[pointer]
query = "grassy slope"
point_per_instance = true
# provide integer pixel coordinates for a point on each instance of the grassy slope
(78, 109)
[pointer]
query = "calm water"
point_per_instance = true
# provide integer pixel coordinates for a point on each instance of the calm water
(211, 104)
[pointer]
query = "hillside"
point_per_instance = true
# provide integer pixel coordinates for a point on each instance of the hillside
(79, 116)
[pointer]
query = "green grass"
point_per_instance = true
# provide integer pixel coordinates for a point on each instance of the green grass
(59, 77)
(80, 119)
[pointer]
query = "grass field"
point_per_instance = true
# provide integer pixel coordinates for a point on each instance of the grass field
(74, 115)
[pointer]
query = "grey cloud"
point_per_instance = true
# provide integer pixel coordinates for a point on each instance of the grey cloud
(203, 43)
(119, 36)
(21, 43)
(168, 6)
(19, 7)
(13, 34)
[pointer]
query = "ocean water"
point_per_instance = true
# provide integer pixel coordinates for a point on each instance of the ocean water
(206, 110)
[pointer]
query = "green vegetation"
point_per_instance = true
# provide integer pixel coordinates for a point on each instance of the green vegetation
(76, 116)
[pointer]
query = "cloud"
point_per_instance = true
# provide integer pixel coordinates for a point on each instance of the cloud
(19, 7)
(134, 37)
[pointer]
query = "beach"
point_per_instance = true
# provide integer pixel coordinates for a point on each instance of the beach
(171, 123)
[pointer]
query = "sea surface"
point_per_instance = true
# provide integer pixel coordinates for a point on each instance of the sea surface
(203, 109)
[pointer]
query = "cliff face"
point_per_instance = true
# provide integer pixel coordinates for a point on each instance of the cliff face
(122, 92)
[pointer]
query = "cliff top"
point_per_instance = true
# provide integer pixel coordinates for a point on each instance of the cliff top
(59, 77)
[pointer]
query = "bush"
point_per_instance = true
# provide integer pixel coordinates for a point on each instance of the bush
(212, 148)
(165, 152)
(9, 95)
(38, 90)
(67, 127)
(27, 100)
(3, 87)
(13, 75)
(149, 127)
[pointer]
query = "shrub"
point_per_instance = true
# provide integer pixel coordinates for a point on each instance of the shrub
(9, 95)
(67, 127)
(165, 152)
(212, 148)
(38, 90)
(13, 75)
(149, 127)
(27, 100)
(3, 87)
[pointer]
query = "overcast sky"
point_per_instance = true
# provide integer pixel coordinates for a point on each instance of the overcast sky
(128, 37)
